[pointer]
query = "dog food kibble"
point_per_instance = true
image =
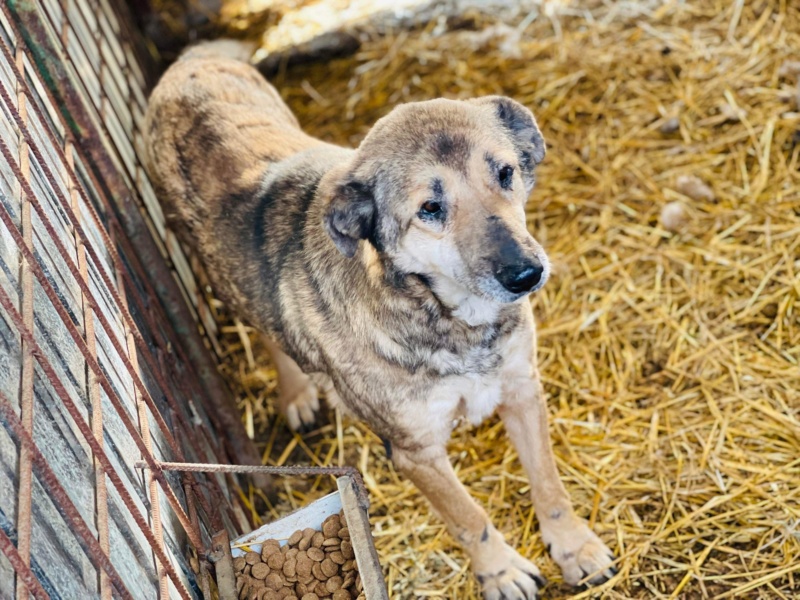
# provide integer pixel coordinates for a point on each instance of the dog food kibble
(329, 568)
(275, 561)
(347, 550)
(312, 565)
(304, 566)
(269, 548)
(331, 526)
(334, 583)
(290, 566)
(274, 581)
(315, 554)
(259, 571)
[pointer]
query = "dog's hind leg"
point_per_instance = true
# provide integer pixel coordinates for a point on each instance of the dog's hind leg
(582, 556)
(297, 395)
(502, 572)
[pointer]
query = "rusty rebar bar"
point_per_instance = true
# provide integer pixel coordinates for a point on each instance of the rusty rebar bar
(93, 392)
(24, 501)
(60, 497)
(22, 568)
(74, 412)
(290, 470)
(152, 486)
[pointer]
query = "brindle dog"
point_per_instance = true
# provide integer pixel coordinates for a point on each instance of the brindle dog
(396, 276)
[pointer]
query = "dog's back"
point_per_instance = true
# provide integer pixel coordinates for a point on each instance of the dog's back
(214, 126)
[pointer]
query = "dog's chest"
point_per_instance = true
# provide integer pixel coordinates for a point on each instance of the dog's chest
(454, 351)
(476, 359)
(476, 395)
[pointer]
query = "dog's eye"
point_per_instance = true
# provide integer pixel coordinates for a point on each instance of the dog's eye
(506, 176)
(430, 209)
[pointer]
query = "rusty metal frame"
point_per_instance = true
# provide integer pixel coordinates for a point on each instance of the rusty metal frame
(103, 381)
(57, 492)
(123, 203)
(9, 416)
(160, 283)
(286, 470)
(135, 271)
(24, 494)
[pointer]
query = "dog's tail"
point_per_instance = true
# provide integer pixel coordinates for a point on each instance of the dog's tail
(240, 50)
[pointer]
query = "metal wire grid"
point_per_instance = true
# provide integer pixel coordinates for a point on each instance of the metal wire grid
(93, 375)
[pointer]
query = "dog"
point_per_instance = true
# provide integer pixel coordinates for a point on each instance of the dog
(396, 277)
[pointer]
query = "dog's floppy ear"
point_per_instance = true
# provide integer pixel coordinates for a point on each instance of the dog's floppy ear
(350, 216)
(521, 126)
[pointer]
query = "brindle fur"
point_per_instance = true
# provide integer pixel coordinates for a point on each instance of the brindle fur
(399, 316)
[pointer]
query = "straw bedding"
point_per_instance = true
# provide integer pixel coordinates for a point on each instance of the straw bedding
(669, 351)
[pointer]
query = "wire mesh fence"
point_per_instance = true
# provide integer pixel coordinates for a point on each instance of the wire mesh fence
(101, 364)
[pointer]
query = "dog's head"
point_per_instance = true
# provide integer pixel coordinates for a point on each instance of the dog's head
(439, 189)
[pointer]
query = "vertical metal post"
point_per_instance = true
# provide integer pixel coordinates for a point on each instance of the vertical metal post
(144, 428)
(92, 388)
(26, 381)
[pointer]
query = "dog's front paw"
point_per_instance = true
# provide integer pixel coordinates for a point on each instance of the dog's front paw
(509, 576)
(300, 405)
(582, 556)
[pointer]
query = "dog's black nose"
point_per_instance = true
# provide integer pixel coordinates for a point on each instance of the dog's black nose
(520, 278)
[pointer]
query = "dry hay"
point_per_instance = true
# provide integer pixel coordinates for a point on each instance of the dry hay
(670, 359)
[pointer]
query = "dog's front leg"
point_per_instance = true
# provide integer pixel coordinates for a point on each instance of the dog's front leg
(502, 572)
(570, 541)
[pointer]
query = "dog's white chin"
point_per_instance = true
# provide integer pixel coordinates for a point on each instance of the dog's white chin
(476, 310)
(467, 305)
(483, 305)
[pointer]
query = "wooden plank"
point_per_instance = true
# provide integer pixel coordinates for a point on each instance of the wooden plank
(361, 537)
